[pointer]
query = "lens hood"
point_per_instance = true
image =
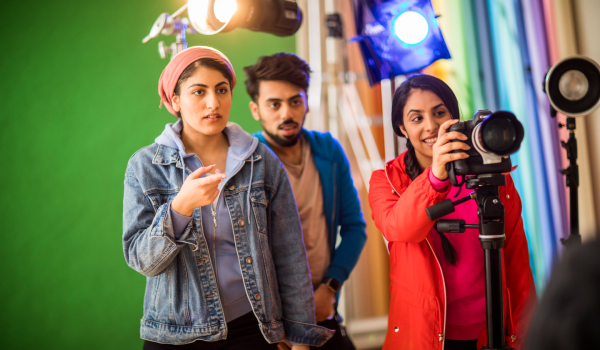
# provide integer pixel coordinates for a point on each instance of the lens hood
(500, 133)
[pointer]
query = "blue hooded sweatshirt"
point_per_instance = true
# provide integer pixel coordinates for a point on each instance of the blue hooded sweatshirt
(220, 238)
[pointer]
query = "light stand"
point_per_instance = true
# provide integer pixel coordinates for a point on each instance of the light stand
(572, 174)
(491, 235)
(167, 25)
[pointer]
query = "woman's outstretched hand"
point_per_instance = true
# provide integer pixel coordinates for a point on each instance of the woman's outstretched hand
(443, 146)
(197, 191)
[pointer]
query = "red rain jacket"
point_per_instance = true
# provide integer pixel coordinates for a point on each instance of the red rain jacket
(418, 302)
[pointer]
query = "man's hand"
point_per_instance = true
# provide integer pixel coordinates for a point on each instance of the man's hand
(300, 347)
(324, 301)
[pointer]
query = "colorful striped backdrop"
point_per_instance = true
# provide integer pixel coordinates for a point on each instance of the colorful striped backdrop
(500, 54)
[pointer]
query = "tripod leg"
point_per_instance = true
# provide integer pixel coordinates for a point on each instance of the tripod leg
(494, 305)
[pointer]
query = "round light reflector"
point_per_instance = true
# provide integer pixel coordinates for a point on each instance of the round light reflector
(411, 27)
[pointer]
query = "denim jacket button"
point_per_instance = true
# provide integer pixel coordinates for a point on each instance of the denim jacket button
(241, 222)
(257, 296)
(232, 187)
(249, 260)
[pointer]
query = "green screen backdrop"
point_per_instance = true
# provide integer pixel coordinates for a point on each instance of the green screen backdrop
(79, 97)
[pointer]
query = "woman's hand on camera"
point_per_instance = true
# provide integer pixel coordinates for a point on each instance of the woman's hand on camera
(197, 191)
(443, 147)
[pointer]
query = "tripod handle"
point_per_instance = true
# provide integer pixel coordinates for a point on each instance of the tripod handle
(440, 209)
(445, 207)
(450, 226)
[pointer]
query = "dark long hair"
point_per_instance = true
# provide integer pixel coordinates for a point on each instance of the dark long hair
(413, 169)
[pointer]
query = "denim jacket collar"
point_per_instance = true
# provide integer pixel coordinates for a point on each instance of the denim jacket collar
(166, 155)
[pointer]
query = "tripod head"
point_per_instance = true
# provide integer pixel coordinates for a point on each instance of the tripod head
(482, 184)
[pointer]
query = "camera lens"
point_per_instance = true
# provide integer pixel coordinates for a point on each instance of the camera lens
(500, 133)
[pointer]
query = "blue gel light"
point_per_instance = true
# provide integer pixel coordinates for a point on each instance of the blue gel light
(411, 27)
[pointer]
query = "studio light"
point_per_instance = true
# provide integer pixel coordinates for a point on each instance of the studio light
(411, 27)
(278, 17)
(224, 10)
(208, 17)
(397, 37)
(572, 86)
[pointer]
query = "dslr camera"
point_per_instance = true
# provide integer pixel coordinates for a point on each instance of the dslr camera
(493, 137)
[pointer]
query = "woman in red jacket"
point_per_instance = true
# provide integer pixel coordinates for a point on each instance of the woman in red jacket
(438, 280)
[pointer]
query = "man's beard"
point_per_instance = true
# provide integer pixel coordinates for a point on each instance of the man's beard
(283, 141)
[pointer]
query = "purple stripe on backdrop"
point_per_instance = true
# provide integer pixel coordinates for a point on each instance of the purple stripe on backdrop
(538, 51)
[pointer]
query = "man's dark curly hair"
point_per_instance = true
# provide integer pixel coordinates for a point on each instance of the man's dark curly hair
(280, 66)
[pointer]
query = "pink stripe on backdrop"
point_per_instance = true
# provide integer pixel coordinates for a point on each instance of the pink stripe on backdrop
(551, 149)
(549, 17)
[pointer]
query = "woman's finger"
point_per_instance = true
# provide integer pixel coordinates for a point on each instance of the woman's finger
(210, 180)
(453, 135)
(449, 157)
(444, 127)
(200, 171)
(452, 146)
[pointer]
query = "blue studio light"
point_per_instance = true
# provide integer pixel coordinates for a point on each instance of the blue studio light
(397, 37)
(410, 27)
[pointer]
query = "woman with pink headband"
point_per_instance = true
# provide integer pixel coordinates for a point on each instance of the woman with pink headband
(210, 218)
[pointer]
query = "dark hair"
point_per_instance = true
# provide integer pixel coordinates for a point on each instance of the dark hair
(401, 96)
(280, 66)
(210, 63)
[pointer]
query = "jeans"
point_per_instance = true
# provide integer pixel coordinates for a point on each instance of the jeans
(243, 333)
(339, 341)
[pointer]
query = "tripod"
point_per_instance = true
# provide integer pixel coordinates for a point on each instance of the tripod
(491, 235)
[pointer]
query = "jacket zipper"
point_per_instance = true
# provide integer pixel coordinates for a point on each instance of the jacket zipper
(443, 335)
(214, 215)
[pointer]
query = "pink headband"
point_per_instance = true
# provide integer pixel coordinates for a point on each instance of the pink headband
(170, 75)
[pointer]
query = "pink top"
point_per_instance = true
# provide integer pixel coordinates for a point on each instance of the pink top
(465, 281)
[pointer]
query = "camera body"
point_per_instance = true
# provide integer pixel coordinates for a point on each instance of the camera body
(492, 138)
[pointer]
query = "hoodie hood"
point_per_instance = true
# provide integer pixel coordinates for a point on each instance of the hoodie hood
(241, 146)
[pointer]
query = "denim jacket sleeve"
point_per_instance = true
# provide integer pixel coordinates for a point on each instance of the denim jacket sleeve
(149, 242)
(350, 220)
(291, 266)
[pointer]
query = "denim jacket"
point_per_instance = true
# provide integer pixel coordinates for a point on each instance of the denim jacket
(182, 300)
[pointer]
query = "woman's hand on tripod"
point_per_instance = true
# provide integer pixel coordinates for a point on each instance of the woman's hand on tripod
(443, 147)
(197, 191)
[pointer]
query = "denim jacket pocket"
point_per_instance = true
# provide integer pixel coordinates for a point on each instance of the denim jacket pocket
(259, 207)
(160, 197)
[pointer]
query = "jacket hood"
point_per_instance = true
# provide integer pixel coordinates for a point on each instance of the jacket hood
(241, 144)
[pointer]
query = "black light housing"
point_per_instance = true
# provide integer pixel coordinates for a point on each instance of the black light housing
(278, 17)
(573, 86)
